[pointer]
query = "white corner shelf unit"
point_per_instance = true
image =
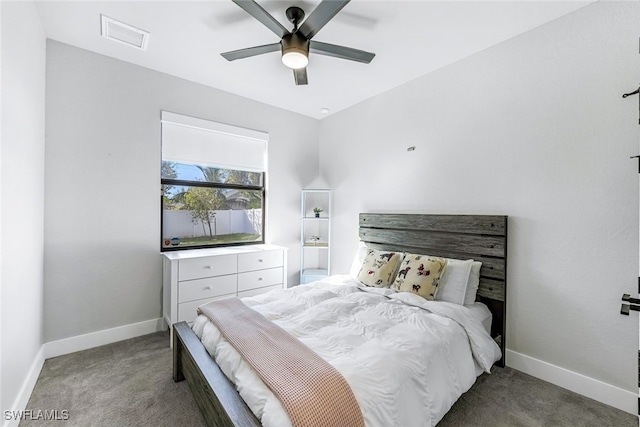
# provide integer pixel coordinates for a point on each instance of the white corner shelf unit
(315, 235)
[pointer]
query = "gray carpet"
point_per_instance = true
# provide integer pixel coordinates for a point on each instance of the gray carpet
(129, 384)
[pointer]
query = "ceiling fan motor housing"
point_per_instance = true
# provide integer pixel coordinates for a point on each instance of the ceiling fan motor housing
(295, 42)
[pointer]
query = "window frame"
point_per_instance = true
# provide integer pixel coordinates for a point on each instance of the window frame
(206, 184)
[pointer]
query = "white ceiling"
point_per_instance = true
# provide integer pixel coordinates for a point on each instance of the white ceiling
(410, 39)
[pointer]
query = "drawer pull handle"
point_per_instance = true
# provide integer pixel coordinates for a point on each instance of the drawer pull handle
(259, 279)
(208, 267)
(260, 260)
(207, 288)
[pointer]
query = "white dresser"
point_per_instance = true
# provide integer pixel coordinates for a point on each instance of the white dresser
(194, 277)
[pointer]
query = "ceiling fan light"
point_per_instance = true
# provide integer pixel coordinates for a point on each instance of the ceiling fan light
(295, 58)
(295, 50)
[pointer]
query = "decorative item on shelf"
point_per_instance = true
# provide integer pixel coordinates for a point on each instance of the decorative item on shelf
(315, 239)
(317, 211)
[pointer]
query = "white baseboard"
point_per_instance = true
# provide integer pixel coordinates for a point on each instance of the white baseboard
(25, 391)
(106, 336)
(71, 345)
(594, 389)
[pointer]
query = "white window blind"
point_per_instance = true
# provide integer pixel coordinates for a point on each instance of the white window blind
(202, 142)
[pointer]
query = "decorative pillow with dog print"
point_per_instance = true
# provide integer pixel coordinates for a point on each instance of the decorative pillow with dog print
(379, 268)
(420, 274)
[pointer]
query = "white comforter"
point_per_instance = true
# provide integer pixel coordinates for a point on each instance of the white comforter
(405, 364)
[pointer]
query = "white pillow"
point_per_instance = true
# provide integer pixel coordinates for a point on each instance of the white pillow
(453, 282)
(473, 283)
(357, 259)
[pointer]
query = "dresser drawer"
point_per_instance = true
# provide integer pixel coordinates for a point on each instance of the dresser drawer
(198, 268)
(259, 279)
(187, 310)
(258, 291)
(192, 278)
(260, 260)
(207, 288)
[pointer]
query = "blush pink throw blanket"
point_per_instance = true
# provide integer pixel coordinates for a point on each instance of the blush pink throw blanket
(313, 392)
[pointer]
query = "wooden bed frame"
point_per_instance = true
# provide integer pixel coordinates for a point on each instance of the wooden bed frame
(480, 237)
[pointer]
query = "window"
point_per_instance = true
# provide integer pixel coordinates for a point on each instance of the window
(213, 184)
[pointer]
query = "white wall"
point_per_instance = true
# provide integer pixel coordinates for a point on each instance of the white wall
(22, 205)
(534, 128)
(103, 151)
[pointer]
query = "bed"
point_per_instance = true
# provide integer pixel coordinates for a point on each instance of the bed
(480, 237)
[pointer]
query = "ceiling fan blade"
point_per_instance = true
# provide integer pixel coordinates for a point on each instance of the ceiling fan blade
(255, 10)
(300, 75)
(342, 52)
(251, 51)
(322, 14)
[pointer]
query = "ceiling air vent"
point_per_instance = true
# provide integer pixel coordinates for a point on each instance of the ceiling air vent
(124, 33)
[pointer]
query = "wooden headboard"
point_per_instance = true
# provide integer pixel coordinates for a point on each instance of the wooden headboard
(479, 237)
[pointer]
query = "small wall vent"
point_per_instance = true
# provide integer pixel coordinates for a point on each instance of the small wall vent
(124, 33)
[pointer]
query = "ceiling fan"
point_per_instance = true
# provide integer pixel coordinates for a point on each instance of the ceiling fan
(296, 44)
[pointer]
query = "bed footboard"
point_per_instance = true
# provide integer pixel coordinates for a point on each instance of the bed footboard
(215, 395)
